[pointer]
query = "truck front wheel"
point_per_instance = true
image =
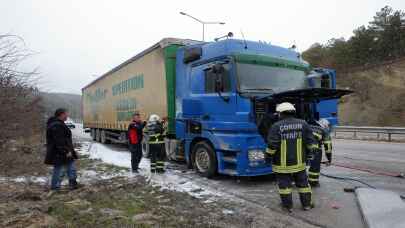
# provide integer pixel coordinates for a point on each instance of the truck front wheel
(204, 159)
(103, 137)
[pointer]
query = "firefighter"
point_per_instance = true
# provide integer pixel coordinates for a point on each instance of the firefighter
(320, 130)
(155, 131)
(290, 141)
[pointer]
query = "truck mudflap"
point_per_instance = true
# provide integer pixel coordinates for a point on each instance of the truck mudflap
(307, 95)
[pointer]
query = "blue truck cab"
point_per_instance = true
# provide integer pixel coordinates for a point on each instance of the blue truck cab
(226, 95)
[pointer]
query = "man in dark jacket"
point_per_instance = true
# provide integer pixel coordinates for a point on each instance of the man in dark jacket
(59, 149)
(135, 136)
(289, 141)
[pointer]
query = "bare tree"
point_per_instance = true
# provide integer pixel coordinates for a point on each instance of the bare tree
(21, 115)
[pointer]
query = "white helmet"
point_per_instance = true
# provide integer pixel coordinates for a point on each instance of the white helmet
(285, 107)
(324, 123)
(154, 118)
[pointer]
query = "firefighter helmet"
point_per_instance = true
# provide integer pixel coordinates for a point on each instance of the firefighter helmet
(285, 107)
(324, 123)
(154, 118)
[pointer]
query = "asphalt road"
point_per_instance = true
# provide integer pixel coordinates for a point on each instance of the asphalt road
(382, 156)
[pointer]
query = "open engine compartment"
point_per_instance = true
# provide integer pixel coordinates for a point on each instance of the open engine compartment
(304, 100)
(266, 115)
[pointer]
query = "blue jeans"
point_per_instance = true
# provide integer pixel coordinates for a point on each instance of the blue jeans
(58, 174)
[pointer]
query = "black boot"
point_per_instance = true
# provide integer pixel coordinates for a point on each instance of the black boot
(308, 207)
(314, 184)
(160, 170)
(73, 185)
(286, 208)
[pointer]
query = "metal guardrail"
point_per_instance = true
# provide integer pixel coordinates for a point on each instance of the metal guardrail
(389, 131)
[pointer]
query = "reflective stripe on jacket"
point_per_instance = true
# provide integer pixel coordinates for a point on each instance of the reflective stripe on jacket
(155, 132)
(156, 139)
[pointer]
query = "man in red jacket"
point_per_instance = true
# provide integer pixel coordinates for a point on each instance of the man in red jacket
(135, 135)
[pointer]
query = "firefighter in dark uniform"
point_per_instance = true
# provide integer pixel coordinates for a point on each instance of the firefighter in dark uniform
(156, 133)
(290, 142)
(320, 130)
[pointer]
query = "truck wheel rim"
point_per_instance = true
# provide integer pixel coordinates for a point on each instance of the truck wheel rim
(202, 160)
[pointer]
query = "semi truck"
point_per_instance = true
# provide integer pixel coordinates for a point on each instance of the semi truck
(218, 98)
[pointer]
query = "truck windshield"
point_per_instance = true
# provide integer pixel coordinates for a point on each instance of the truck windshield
(260, 78)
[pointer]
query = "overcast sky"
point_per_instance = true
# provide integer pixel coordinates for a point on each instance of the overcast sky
(77, 40)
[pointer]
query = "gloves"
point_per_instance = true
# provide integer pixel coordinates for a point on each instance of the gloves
(69, 155)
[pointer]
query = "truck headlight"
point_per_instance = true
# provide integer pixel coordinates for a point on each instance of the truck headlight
(256, 155)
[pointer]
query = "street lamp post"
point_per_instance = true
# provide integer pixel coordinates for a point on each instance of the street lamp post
(203, 23)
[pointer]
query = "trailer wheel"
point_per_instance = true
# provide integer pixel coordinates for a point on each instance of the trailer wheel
(204, 159)
(93, 134)
(98, 135)
(103, 138)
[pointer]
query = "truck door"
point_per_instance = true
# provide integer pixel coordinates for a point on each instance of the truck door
(328, 109)
(212, 85)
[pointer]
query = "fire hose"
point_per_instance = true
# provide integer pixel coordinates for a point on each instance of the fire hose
(376, 172)
(364, 169)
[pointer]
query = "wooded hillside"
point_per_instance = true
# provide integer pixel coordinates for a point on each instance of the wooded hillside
(52, 101)
(372, 63)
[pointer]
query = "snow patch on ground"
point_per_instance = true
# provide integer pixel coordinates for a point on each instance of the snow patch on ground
(87, 176)
(78, 132)
(25, 179)
(173, 182)
(169, 180)
(227, 212)
(99, 151)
